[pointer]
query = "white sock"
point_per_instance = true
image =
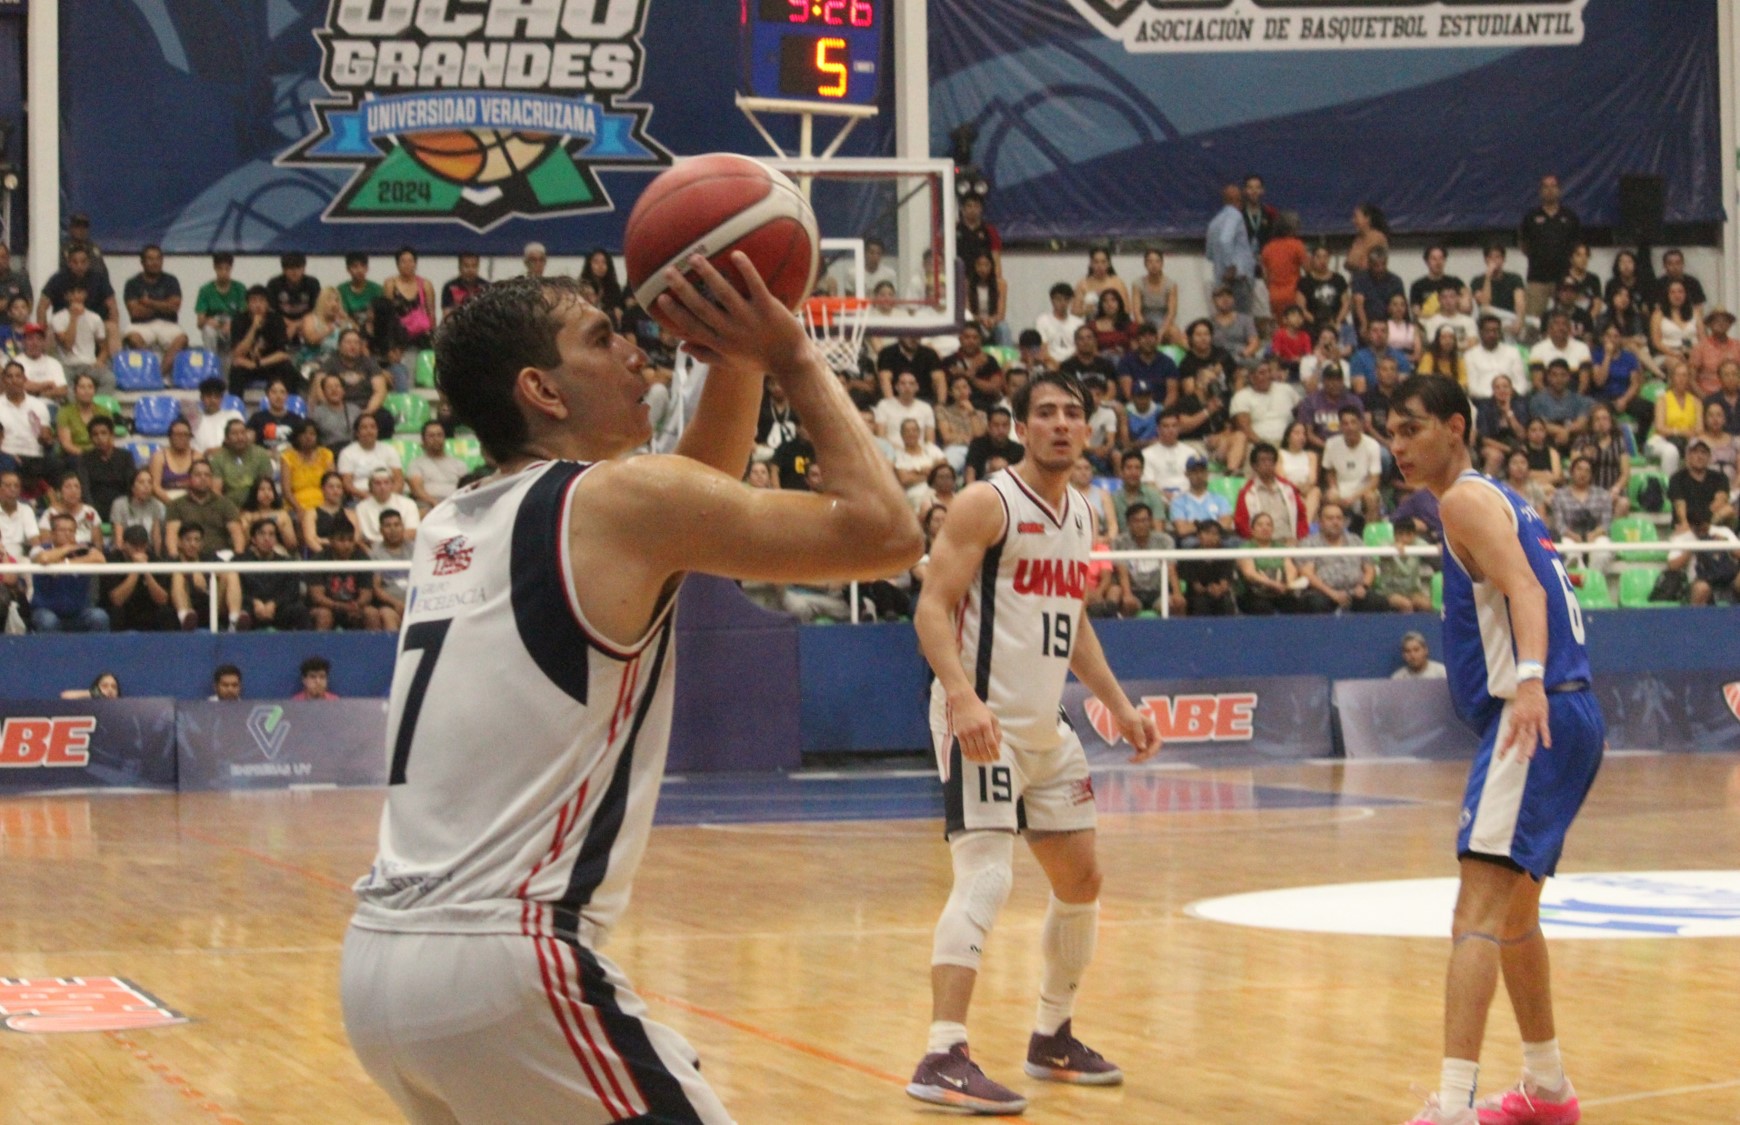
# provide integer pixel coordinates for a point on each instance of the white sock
(944, 1035)
(1542, 1064)
(1067, 943)
(1456, 1082)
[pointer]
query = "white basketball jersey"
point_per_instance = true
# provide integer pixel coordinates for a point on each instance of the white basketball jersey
(1018, 621)
(525, 752)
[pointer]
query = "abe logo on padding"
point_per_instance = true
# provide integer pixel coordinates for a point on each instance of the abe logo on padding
(477, 111)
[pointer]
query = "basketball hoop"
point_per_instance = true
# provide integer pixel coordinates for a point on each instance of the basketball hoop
(836, 324)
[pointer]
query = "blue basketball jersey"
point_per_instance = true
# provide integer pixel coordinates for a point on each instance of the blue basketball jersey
(1479, 647)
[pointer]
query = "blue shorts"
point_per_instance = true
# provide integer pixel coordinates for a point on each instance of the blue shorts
(1520, 810)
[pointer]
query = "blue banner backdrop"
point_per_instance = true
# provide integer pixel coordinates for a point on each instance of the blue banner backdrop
(87, 744)
(1086, 132)
(271, 745)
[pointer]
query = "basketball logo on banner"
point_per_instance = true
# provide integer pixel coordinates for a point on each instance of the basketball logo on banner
(479, 114)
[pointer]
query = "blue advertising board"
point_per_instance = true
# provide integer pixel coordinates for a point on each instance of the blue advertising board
(87, 744)
(274, 745)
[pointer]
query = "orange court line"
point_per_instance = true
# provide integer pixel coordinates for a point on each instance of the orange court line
(262, 857)
(774, 1037)
(175, 1079)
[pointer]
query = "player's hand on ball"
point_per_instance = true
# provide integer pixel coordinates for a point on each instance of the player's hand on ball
(1528, 722)
(723, 327)
(980, 735)
(1139, 729)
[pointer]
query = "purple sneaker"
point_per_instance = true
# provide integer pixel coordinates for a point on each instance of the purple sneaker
(1064, 1058)
(954, 1079)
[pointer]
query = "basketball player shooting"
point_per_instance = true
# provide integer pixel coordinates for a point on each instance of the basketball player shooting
(1000, 621)
(531, 703)
(1519, 676)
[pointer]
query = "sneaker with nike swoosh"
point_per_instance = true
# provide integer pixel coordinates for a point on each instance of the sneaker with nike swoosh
(1064, 1058)
(953, 1079)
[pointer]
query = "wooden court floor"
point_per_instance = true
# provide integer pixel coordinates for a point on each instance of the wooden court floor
(794, 957)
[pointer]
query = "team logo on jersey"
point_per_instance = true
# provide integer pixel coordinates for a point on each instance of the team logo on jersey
(1054, 578)
(1223, 717)
(269, 729)
(478, 111)
(452, 555)
(1731, 693)
(58, 743)
(60, 1004)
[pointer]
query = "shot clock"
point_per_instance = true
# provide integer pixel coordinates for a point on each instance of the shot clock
(826, 51)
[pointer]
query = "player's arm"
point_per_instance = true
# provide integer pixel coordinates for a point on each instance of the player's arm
(1477, 528)
(1088, 662)
(722, 432)
(977, 519)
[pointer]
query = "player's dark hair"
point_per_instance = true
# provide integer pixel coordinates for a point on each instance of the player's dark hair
(355, 258)
(294, 259)
(483, 345)
(1064, 381)
(314, 664)
(1440, 396)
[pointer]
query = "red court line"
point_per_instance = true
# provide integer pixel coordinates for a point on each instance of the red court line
(216, 1111)
(269, 860)
(786, 1041)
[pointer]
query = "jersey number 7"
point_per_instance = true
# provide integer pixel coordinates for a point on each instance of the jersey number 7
(425, 638)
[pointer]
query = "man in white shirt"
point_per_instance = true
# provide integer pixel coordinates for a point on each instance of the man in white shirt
(1493, 357)
(1453, 305)
(843, 282)
(1165, 460)
(382, 498)
(43, 374)
(1560, 344)
(1353, 465)
(358, 460)
(214, 421)
(28, 422)
(81, 337)
(19, 531)
(434, 474)
(891, 412)
(1058, 326)
(1417, 662)
(1263, 409)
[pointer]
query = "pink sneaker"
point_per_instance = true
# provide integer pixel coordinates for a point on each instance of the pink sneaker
(1525, 1106)
(1433, 1114)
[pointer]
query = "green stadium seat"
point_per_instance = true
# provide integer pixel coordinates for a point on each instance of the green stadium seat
(409, 411)
(1003, 353)
(425, 370)
(465, 445)
(1636, 529)
(1640, 477)
(1635, 585)
(1652, 390)
(1591, 589)
(407, 447)
(1173, 352)
(1227, 487)
(1438, 590)
(1380, 533)
(113, 406)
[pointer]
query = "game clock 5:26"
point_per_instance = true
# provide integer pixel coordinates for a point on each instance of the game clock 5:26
(824, 51)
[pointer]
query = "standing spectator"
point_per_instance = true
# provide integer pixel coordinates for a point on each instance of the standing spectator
(391, 587)
(1417, 662)
(1270, 582)
(1133, 490)
(467, 285)
(68, 499)
(219, 303)
(1491, 359)
(1136, 587)
(343, 599)
(1372, 290)
(536, 259)
(1196, 505)
(107, 472)
(82, 340)
(211, 511)
(1324, 293)
(1145, 363)
(1563, 411)
(1370, 232)
(1502, 293)
(1673, 269)
(1154, 298)
(435, 473)
(260, 350)
(1101, 276)
(364, 455)
(44, 375)
(1698, 492)
(315, 672)
(26, 427)
(382, 497)
(214, 418)
(139, 508)
(1165, 462)
(1548, 235)
(190, 593)
(1262, 410)
(1262, 221)
(99, 294)
(72, 422)
(1337, 582)
(1321, 410)
(1208, 583)
(292, 293)
(358, 294)
(987, 298)
(14, 280)
(1424, 294)
(137, 602)
(909, 353)
(994, 442)
(1582, 511)
(1713, 350)
(1403, 580)
(153, 301)
(1232, 255)
(274, 599)
(1267, 493)
(65, 603)
(238, 464)
(1284, 261)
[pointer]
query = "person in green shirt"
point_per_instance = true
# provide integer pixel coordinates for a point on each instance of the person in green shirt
(219, 301)
(1404, 581)
(72, 420)
(238, 464)
(359, 294)
(1135, 491)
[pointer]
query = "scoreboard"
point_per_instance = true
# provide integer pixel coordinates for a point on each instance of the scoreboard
(825, 51)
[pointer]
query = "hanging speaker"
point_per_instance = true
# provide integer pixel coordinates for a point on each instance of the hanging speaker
(1642, 206)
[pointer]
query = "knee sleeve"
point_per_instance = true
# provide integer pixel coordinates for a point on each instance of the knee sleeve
(984, 872)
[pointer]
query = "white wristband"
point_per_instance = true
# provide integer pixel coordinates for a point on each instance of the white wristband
(1530, 670)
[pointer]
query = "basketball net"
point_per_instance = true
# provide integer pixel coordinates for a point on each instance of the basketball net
(836, 324)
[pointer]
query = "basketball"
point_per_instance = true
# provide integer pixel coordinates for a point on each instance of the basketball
(716, 204)
(477, 156)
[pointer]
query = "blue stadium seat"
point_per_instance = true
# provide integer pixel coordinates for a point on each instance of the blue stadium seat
(138, 370)
(194, 365)
(297, 405)
(153, 414)
(234, 402)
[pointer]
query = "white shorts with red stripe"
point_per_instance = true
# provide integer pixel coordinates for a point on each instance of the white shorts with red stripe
(504, 1027)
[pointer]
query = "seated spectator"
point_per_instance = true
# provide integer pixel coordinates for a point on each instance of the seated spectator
(1113, 328)
(12, 332)
(435, 473)
(1267, 492)
(190, 593)
(905, 406)
(1673, 327)
(1270, 583)
(1679, 415)
(940, 487)
(1136, 587)
(1235, 333)
(82, 339)
(391, 587)
(994, 442)
(214, 419)
(238, 464)
(1724, 447)
(65, 603)
(272, 599)
(1378, 400)
(1565, 301)
(219, 304)
(914, 460)
(172, 464)
(1562, 411)
(1604, 447)
(106, 472)
(261, 348)
(909, 353)
(1196, 506)
(105, 686)
(1165, 461)
(1086, 362)
(153, 300)
(69, 500)
(14, 280)
(382, 498)
(1501, 422)
(1403, 333)
(1699, 493)
(1100, 277)
(1582, 511)
(1321, 409)
(1373, 289)
(1362, 364)
(1133, 489)
(1058, 327)
(536, 259)
(1105, 430)
(1560, 344)
(792, 459)
(203, 506)
(79, 269)
(1326, 354)
(1403, 580)
(1291, 342)
(1545, 465)
(980, 367)
(1501, 294)
(959, 422)
(1202, 418)
(1525, 483)
(321, 330)
(1714, 576)
(315, 673)
(467, 285)
(1154, 298)
(1298, 466)
(318, 522)
(1424, 294)
(137, 603)
(365, 384)
(343, 599)
(1417, 662)
(19, 531)
(1099, 501)
(26, 428)
(1205, 361)
(139, 508)
(1713, 350)
(226, 684)
(1453, 306)
(1729, 396)
(1626, 312)
(1444, 357)
(264, 501)
(304, 463)
(1262, 410)
(292, 293)
(1491, 359)
(1208, 583)
(1616, 376)
(1140, 422)
(273, 422)
(1336, 583)
(359, 460)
